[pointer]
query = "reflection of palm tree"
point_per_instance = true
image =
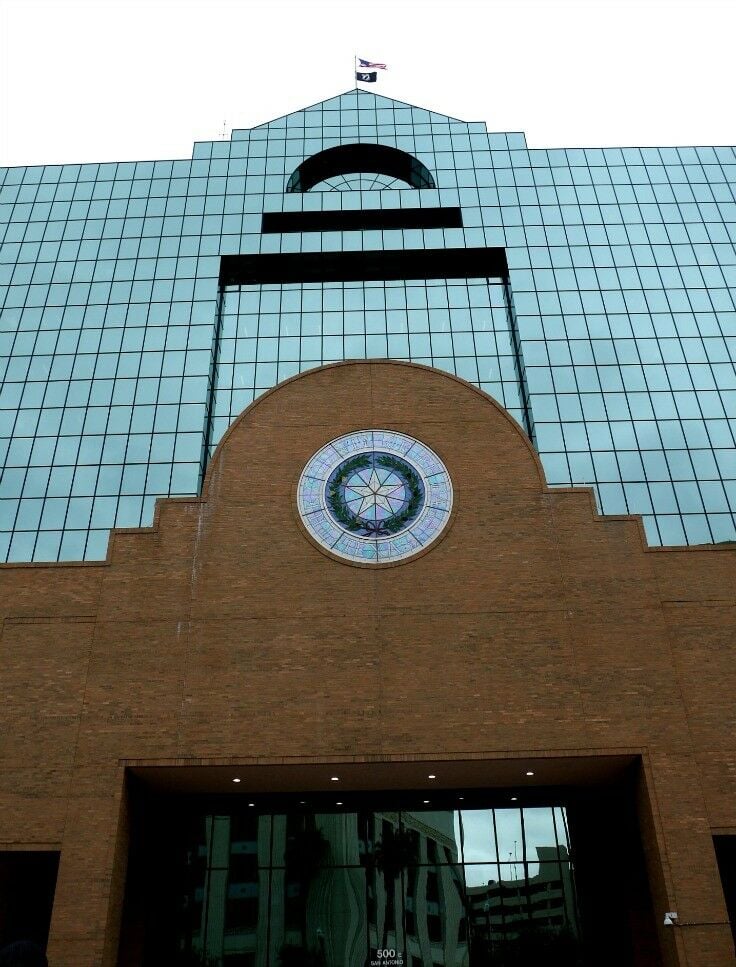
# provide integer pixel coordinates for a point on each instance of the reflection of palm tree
(394, 853)
(306, 850)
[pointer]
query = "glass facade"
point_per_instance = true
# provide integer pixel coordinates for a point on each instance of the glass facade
(271, 332)
(426, 888)
(610, 334)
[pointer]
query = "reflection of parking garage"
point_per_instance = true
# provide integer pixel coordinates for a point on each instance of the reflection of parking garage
(547, 897)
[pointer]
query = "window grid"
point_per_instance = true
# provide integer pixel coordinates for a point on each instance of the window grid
(272, 332)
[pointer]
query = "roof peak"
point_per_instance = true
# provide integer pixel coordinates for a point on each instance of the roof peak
(360, 96)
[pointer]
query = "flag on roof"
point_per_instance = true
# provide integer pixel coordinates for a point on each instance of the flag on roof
(369, 64)
(367, 77)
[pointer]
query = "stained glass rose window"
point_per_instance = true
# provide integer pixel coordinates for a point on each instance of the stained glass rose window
(375, 496)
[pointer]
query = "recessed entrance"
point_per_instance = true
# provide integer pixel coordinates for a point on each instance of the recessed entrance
(342, 877)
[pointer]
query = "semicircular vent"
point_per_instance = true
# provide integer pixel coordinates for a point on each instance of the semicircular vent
(360, 159)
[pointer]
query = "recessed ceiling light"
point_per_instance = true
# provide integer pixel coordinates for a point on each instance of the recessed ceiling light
(530, 773)
(338, 804)
(335, 778)
(431, 776)
(514, 798)
(426, 802)
(461, 798)
(301, 802)
(251, 804)
(236, 780)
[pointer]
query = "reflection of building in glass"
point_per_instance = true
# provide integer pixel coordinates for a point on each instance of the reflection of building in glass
(422, 912)
(331, 888)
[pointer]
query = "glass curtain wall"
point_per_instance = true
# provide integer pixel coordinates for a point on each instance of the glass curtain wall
(622, 264)
(623, 268)
(347, 889)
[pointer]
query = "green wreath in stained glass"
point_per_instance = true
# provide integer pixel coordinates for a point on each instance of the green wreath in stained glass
(374, 494)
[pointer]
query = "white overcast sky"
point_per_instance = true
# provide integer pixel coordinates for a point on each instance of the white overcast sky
(106, 80)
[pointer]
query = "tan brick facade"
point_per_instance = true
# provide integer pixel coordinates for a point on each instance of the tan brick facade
(532, 631)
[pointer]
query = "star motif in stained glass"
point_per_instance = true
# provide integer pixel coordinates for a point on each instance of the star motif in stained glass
(374, 494)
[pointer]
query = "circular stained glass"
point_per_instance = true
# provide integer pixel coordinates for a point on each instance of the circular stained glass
(375, 496)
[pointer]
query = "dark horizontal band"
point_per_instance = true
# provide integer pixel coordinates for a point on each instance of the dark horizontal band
(439, 263)
(362, 220)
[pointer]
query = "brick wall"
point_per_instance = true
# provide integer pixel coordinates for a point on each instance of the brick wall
(224, 635)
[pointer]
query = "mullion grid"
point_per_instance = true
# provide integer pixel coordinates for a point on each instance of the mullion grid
(702, 511)
(39, 532)
(62, 531)
(683, 511)
(416, 327)
(654, 518)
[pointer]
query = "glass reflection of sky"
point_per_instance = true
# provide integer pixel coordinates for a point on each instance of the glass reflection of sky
(481, 874)
(543, 826)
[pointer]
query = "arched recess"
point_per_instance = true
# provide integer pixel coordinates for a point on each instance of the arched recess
(348, 159)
